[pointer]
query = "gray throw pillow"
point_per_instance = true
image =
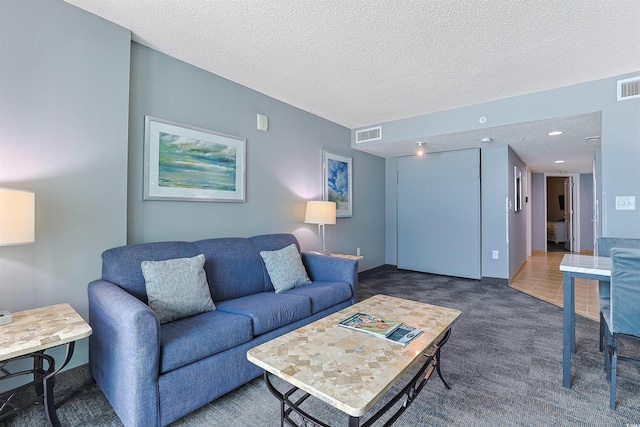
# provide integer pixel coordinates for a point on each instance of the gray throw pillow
(285, 268)
(177, 288)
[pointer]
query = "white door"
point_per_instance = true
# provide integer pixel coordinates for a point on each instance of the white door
(439, 213)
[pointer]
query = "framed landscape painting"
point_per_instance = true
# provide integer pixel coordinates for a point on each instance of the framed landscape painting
(337, 182)
(192, 164)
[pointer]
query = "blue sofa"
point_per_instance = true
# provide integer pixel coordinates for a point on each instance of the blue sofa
(152, 373)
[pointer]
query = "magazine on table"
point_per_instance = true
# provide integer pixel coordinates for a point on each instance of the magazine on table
(404, 333)
(375, 325)
(393, 330)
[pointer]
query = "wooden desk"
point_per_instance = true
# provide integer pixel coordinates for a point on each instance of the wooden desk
(587, 267)
(30, 334)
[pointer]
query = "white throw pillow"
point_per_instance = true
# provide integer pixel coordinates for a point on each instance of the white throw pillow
(285, 268)
(177, 288)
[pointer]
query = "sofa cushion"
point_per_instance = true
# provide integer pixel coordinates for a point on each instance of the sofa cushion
(177, 288)
(285, 268)
(269, 310)
(273, 242)
(234, 268)
(121, 265)
(193, 338)
(324, 295)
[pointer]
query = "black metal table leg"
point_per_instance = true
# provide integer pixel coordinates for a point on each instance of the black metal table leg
(7, 406)
(409, 393)
(48, 382)
(437, 357)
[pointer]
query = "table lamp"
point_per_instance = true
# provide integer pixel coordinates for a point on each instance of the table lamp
(321, 213)
(17, 224)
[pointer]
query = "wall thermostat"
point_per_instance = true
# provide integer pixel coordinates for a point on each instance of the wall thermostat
(263, 123)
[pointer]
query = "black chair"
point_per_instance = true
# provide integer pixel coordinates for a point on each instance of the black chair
(621, 316)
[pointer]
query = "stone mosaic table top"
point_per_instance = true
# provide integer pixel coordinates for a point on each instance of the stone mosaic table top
(351, 369)
(41, 328)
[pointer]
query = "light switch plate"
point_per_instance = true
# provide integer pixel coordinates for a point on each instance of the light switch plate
(625, 203)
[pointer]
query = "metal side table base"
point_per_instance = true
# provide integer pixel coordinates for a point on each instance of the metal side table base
(43, 381)
(409, 393)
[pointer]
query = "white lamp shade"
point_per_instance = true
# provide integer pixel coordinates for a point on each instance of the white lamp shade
(320, 213)
(17, 217)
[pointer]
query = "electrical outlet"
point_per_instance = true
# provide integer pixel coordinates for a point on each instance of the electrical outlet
(358, 251)
(495, 254)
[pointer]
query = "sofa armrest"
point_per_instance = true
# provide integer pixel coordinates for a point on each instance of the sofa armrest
(124, 352)
(324, 268)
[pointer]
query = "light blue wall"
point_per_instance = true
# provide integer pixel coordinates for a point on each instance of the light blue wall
(517, 220)
(391, 216)
(586, 211)
(598, 193)
(494, 186)
(284, 165)
(620, 153)
(64, 95)
(538, 224)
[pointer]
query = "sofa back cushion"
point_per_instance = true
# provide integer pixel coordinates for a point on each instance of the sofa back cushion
(273, 242)
(122, 265)
(233, 266)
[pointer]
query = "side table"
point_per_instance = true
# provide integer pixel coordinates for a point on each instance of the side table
(31, 333)
(355, 257)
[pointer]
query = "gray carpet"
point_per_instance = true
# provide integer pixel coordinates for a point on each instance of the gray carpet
(503, 362)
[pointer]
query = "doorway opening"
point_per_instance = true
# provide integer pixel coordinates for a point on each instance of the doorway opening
(562, 212)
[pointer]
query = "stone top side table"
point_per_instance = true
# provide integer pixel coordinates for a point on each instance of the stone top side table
(31, 333)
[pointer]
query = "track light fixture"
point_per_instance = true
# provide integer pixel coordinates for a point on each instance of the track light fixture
(420, 151)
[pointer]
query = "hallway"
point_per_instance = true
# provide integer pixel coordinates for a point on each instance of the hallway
(540, 276)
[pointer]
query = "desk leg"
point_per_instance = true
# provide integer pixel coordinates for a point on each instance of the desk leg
(48, 382)
(354, 421)
(569, 330)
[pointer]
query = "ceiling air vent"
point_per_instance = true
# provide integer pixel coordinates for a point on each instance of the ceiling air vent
(366, 135)
(629, 88)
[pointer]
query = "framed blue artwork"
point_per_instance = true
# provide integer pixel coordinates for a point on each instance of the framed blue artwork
(337, 182)
(187, 163)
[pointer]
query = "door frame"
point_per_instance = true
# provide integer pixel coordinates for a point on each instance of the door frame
(576, 208)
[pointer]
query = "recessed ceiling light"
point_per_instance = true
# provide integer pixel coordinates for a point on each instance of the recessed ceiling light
(420, 151)
(486, 139)
(559, 161)
(593, 138)
(555, 133)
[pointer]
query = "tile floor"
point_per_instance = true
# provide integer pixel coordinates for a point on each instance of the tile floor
(540, 276)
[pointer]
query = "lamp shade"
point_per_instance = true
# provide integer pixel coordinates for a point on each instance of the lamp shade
(17, 217)
(320, 213)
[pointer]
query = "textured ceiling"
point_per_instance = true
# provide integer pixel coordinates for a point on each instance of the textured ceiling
(358, 62)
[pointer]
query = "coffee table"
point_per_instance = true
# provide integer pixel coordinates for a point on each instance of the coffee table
(352, 370)
(31, 333)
